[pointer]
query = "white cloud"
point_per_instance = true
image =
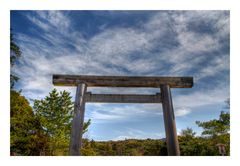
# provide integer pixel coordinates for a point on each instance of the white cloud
(107, 116)
(50, 19)
(194, 42)
(114, 46)
(187, 56)
(199, 98)
(123, 112)
(38, 22)
(218, 65)
(182, 111)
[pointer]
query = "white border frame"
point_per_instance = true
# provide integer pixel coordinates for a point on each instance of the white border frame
(7, 5)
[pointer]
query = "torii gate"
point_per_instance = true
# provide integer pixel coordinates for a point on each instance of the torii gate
(82, 96)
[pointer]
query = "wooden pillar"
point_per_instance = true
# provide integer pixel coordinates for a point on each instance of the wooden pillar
(169, 121)
(78, 119)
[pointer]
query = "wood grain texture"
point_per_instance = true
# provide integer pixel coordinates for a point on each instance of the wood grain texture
(169, 122)
(78, 119)
(122, 81)
(122, 98)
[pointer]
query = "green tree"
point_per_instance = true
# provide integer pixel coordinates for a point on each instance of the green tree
(26, 137)
(216, 127)
(188, 133)
(55, 113)
(86, 125)
(217, 132)
(15, 53)
(87, 149)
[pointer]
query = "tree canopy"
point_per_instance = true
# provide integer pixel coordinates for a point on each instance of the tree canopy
(26, 136)
(216, 127)
(55, 114)
(43, 129)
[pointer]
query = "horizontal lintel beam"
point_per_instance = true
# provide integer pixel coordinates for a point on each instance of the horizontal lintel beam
(122, 98)
(122, 81)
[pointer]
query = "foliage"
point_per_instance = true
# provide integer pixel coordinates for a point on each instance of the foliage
(216, 127)
(129, 147)
(86, 125)
(87, 149)
(55, 114)
(217, 130)
(188, 133)
(15, 53)
(203, 146)
(26, 136)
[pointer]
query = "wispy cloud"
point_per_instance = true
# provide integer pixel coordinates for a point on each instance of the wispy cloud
(50, 20)
(203, 97)
(123, 112)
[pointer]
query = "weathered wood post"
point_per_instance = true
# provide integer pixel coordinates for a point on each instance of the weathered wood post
(169, 121)
(78, 119)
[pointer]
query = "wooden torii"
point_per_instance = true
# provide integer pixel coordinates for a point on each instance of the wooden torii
(82, 96)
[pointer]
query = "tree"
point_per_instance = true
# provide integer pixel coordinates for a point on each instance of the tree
(55, 113)
(217, 131)
(216, 127)
(188, 133)
(87, 149)
(86, 125)
(15, 53)
(25, 133)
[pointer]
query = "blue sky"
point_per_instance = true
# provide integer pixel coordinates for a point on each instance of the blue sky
(139, 43)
